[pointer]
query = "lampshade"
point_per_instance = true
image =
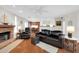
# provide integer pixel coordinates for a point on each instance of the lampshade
(51, 25)
(70, 29)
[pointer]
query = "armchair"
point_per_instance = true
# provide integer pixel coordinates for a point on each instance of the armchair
(26, 34)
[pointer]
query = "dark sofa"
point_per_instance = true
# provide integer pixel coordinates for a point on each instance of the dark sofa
(54, 38)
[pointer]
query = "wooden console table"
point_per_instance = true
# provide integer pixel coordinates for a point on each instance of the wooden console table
(70, 44)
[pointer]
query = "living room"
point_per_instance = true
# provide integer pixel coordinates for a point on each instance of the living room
(39, 28)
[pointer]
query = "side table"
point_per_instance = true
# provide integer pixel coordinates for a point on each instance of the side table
(70, 44)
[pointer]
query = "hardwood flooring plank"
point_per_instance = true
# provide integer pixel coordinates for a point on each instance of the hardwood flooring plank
(27, 47)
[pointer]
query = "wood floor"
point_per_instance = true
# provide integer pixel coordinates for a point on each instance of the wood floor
(27, 47)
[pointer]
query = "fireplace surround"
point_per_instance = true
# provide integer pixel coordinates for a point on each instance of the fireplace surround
(5, 35)
(6, 32)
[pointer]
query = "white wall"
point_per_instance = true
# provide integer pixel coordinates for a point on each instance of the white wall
(47, 21)
(74, 17)
(11, 20)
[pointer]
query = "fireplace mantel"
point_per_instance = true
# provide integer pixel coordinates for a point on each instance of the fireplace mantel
(6, 26)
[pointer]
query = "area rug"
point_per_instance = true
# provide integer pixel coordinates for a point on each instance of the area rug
(11, 46)
(47, 47)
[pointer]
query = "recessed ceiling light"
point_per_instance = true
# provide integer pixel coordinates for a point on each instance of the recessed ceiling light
(20, 11)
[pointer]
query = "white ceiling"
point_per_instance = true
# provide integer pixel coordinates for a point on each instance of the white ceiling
(41, 10)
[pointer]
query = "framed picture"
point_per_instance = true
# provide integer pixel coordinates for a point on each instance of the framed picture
(70, 23)
(58, 23)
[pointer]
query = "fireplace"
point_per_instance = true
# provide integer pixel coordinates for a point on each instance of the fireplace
(5, 35)
(6, 31)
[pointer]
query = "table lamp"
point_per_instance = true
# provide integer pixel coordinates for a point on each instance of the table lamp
(70, 30)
